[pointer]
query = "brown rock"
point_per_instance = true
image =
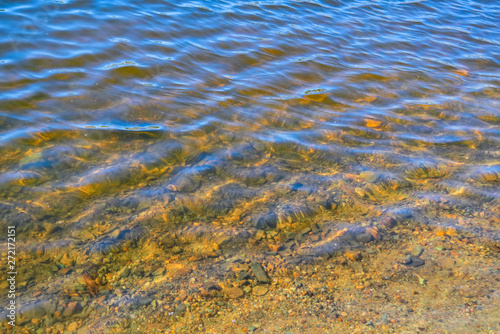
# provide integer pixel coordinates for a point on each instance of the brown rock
(374, 232)
(73, 327)
(451, 232)
(212, 254)
(67, 260)
(234, 293)
(360, 192)
(195, 258)
(275, 248)
(388, 222)
(72, 308)
(64, 271)
(260, 290)
(174, 266)
(353, 255)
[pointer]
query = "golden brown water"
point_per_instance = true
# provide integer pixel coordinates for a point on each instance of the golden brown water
(139, 133)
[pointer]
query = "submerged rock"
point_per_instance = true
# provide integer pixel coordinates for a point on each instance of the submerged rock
(269, 219)
(353, 255)
(364, 238)
(259, 272)
(234, 293)
(185, 182)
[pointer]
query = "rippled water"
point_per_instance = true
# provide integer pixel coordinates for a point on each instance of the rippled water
(124, 123)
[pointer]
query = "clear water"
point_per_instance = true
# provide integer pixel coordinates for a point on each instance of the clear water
(126, 123)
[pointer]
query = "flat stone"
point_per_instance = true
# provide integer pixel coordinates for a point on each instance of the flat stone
(234, 293)
(364, 237)
(259, 272)
(260, 290)
(413, 261)
(417, 262)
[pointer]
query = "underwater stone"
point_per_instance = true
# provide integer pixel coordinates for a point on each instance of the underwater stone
(269, 219)
(259, 272)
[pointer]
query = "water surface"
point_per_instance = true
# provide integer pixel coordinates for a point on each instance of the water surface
(133, 123)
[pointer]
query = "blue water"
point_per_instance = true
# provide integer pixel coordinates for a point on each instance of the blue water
(147, 116)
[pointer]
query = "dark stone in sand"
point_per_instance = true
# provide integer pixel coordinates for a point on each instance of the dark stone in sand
(260, 274)
(243, 275)
(209, 286)
(364, 238)
(269, 219)
(413, 261)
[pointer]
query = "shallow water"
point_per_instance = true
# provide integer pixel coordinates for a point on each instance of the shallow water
(131, 123)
